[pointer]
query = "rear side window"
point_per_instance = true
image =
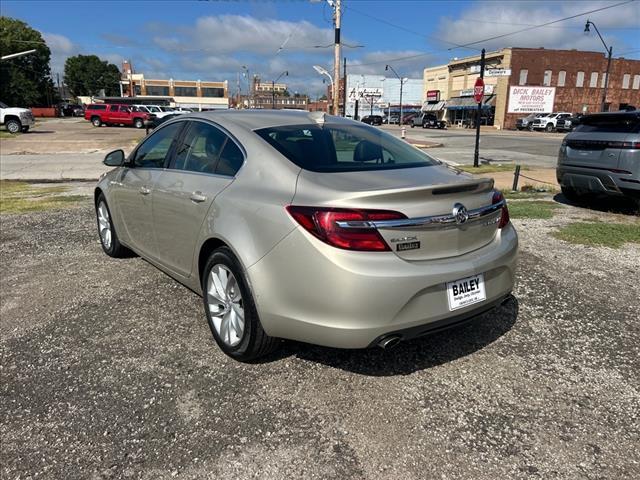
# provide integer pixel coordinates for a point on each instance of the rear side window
(612, 123)
(199, 149)
(97, 107)
(343, 148)
(231, 160)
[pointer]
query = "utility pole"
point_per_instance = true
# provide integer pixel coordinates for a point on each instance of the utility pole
(344, 88)
(476, 153)
(59, 88)
(607, 49)
(336, 55)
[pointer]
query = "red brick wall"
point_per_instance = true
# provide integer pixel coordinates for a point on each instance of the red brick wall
(44, 112)
(571, 98)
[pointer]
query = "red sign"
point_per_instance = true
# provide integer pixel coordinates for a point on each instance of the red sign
(433, 95)
(478, 90)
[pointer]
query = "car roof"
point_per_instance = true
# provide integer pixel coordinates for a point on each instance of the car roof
(255, 119)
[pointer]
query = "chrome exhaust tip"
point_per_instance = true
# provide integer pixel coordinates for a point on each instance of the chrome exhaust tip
(389, 342)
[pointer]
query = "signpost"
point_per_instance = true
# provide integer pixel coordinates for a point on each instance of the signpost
(478, 95)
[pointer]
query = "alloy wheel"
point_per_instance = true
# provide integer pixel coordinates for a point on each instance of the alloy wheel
(104, 225)
(225, 304)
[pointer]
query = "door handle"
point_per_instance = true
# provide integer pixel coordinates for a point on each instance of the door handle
(145, 190)
(198, 197)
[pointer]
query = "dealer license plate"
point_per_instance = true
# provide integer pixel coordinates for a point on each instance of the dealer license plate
(466, 291)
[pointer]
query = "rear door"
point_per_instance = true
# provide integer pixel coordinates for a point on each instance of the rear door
(205, 162)
(134, 188)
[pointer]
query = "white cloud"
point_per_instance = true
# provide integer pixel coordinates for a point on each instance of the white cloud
(61, 48)
(480, 22)
(408, 63)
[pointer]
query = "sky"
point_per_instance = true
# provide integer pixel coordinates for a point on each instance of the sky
(213, 40)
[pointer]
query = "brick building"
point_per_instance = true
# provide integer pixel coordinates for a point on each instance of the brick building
(578, 77)
(574, 81)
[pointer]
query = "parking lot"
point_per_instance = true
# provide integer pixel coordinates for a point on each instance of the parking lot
(109, 371)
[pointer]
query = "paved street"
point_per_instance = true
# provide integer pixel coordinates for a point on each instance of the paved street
(73, 149)
(109, 371)
(534, 149)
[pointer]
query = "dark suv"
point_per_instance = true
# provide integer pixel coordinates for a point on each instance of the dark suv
(372, 119)
(427, 120)
(602, 155)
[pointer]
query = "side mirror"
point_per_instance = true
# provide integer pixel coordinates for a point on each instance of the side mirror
(114, 159)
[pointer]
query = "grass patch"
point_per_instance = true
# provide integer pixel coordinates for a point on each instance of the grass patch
(533, 209)
(21, 197)
(599, 234)
(488, 168)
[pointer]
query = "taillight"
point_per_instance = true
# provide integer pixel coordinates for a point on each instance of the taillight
(323, 223)
(504, 213)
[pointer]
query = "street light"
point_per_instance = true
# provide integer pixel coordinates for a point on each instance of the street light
(323, 71)
(610, 51)
(387, 68)
(273, 88)
(15, 55)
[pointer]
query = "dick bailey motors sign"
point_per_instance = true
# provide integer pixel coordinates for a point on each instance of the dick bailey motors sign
(531, 99)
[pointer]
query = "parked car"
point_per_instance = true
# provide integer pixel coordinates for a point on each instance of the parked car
(526, 123)
(308, 227)
(406, 118)
(602, 155)
(156, 110)
(16, 119)
(548, 122)
(114, 114)
(157, 121)
(567, 124)
(71, 110)
(427, 120)
(372, 119)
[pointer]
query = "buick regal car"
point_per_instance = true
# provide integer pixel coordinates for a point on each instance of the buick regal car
(303, 226)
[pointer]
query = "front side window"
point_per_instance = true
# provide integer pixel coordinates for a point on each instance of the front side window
(199, 149)
(343, 148)
(153, 152)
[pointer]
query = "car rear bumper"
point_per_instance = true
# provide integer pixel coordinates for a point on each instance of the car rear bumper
(308, 291)
(598, 180)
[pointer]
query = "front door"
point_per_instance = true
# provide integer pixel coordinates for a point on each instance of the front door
(204, 163)
(136, 189)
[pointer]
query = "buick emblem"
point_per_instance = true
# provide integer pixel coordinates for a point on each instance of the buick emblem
(460, 213)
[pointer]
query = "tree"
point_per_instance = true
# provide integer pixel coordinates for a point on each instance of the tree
(24, 81)
(88, 75)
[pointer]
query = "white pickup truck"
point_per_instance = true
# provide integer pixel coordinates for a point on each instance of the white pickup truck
(16, 120)
(549, 122)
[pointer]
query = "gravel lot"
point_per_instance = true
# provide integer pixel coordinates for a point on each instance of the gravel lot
(109, 371)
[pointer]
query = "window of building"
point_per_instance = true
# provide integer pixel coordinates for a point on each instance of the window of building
(626, 79)
(137, 89)
(562, 77)
(593, 83)
(547, 78)
(604, 80)
(580, 79)
(212, 92)
(523, 77)
(636, 82)
(185, 91)
(158, 90)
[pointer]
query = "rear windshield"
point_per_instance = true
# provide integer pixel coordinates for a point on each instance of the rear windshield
(622, 123)
(343, 148)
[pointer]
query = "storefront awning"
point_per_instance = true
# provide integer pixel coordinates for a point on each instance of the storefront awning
(433, 107)
(468, 103)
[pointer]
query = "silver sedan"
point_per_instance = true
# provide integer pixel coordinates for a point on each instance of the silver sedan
(304, 226)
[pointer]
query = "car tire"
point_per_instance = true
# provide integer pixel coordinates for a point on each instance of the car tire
(25, 129)
(106, 231)
(412, 125)
(138, 123)
(251, 342)
(96, 122)
(549, 127)
(13, 125)
(570, 193)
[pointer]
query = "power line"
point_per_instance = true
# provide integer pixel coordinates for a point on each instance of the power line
(546, 24)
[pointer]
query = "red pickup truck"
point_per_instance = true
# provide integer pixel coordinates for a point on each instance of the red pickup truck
(102, 113)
